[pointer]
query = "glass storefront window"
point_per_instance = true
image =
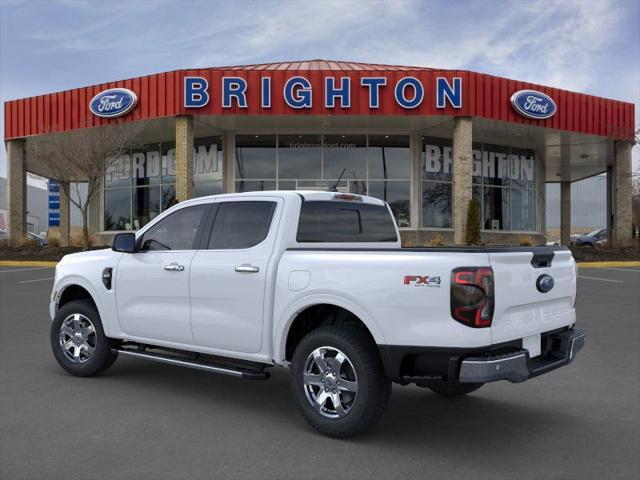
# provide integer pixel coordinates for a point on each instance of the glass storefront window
(117, 209)
(168, 162)
(168, 198)
(146, 205)
(397, 194)
(149, 173)
(436, 204)
(495, 165)
(255, 185)
(300, 156)
(255, 156)
(522, 167)
(496, 208)
(437, 172)
(521, 211)
(346, 153)
(207, 160)
(146, 165)
(497, 171)
(118, 174)
(389, 157)
(436, 159)
(207, 188)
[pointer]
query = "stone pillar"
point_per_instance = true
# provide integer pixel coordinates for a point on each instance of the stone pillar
(621, 183)
(228, 162)
(416, 181)
(65, 216)
(462, 175)
(184, 157)
(16, 191)
(565, 213)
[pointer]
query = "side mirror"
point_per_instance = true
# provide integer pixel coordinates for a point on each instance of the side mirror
(124, 242)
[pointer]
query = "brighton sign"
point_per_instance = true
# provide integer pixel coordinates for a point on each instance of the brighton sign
(113, 103)
(533, 104)
(298, 93)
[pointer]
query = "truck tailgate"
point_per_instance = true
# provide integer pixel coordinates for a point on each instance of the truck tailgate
(522, 310)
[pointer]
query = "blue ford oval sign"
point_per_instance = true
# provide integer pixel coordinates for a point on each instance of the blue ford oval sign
(114, 102)
(533, 104)
(544, 283)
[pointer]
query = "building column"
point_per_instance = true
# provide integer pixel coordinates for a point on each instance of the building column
(416, 181)
(65, 215)
(184, 157)
(565, 213)
(621, 185)
(462, 175)
(16, 191)
(228, 162)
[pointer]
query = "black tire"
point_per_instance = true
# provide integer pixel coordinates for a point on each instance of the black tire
(373, 388)
(453, 390)
(100, 359)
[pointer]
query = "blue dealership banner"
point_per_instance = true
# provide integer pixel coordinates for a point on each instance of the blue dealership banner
(54, 219)
(54, 203)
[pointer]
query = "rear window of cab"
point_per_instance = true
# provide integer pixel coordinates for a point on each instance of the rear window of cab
(336, 221)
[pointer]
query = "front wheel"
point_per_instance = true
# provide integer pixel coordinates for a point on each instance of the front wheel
(338, 382)
(78, 340)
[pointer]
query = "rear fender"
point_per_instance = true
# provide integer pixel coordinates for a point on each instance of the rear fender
(286, 320)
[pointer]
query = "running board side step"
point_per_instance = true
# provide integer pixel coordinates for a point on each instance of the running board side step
(238, 373)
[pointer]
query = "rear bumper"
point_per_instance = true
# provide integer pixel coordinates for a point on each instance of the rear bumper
(507, 361)
(517, 367)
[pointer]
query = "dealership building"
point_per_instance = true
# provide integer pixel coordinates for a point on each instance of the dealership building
(425, 140)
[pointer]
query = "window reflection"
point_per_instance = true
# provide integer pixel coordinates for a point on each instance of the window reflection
(300, 156)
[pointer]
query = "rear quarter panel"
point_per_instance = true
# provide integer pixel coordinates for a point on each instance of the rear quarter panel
(371, 285)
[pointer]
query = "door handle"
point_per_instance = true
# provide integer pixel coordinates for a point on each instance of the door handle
(246, 268)
(174, 267)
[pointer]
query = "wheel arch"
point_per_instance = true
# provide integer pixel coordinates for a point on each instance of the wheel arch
(76, 288)
(314, 311)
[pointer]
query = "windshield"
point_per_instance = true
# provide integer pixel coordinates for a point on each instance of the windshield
(594, 233)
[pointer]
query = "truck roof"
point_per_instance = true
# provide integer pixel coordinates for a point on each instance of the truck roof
(308, 195)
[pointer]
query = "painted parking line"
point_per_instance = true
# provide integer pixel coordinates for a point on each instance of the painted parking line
(636, 270)
(601, 279)
(24, 269)
(36, 280)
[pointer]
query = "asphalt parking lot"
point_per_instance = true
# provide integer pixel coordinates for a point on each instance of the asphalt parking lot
(145, 420)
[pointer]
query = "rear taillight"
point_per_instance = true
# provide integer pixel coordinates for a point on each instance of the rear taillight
(472, 299)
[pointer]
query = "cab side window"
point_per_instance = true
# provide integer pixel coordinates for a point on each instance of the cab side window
(178, 231)
(241, 224)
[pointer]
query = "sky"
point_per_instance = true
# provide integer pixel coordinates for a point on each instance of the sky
(589, 46)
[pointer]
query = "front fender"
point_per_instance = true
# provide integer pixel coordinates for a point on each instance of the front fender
(286, 320)
(73, 279)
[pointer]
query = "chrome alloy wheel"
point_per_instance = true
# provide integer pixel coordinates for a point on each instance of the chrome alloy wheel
(77, 338)
(330, 382)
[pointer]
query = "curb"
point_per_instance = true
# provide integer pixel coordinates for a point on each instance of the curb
(26, 263)
(608, 264)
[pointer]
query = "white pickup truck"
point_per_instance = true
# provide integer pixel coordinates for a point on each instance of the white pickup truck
(317, 281)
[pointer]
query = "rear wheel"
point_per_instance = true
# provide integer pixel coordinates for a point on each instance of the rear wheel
(452, 390)
(78, 341)
(338, 381)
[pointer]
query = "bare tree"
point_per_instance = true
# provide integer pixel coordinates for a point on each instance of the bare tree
(83, 155)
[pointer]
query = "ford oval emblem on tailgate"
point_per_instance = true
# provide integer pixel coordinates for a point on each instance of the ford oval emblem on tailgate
(544, 283)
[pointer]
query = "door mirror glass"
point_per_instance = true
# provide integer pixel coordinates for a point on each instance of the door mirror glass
(124, 242)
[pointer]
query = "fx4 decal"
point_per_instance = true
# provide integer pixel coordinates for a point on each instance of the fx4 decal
(422, 281)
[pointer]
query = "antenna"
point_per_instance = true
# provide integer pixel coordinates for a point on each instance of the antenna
(335, 187)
